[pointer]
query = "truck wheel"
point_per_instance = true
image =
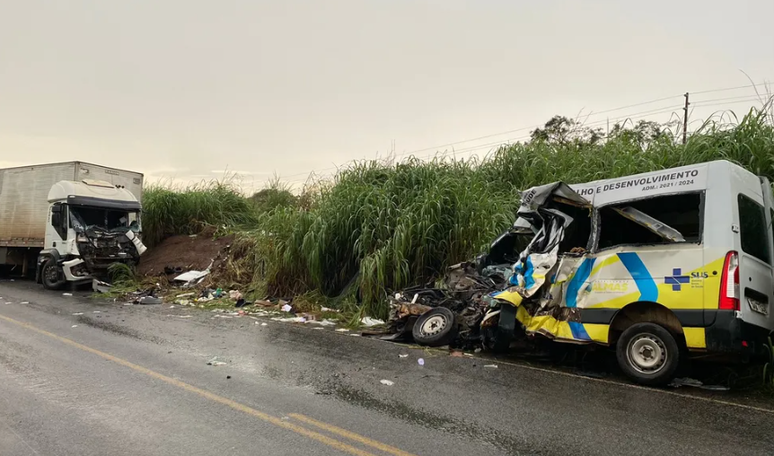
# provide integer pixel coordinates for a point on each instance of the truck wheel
(435, 328)
(52, 275)
(648, 353)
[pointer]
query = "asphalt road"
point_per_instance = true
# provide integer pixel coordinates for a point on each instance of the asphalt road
(134, 380)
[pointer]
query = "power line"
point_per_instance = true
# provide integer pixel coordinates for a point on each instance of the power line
(731, 88)
(656, 111)
(441, 146)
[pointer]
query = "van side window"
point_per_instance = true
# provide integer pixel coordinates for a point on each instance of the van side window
(752, 229)
(661, 220)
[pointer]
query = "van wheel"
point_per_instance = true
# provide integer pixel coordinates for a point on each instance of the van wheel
(435, 328)
(648, 353)
(53, 276)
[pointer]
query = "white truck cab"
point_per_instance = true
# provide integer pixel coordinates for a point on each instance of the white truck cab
(91, 225)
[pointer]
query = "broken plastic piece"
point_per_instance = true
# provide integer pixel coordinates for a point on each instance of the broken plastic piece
(421, 361)
(404, 355)
(368, 321)
(286, 308)
(148, 300)
(491, 366)
(100, 287)
(215, 362)
(387, 382)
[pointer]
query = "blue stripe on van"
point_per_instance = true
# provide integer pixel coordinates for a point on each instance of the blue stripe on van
(643, 280)
(578, 331)
(581, 275)
(529, 281)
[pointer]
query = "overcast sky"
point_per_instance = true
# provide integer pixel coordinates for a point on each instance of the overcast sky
(184, 89)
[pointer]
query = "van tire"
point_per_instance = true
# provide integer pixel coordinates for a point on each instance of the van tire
(52, 275)
(648, 353)
(435, 328)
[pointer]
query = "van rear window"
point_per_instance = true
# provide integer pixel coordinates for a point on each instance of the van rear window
(752, 228)
(661, 220)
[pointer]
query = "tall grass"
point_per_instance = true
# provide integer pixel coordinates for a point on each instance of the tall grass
(168, 212)
(387, 226)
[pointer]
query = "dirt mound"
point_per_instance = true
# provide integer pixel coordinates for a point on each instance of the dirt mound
(184, 252)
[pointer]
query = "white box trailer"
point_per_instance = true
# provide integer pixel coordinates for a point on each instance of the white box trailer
(24, 204)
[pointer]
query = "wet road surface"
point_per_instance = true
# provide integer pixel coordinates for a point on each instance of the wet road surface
(86, 377)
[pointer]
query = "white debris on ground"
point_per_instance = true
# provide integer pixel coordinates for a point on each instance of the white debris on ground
(368, 321)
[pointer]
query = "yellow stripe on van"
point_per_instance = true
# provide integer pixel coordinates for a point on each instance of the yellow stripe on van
(695, 337)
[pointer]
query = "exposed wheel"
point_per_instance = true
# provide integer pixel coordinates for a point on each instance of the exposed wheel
(435, 327)
(52, 276)
(648, 353)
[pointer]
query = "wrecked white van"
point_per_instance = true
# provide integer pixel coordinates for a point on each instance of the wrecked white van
(654, 264)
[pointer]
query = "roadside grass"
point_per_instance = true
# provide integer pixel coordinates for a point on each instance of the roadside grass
(170, 211)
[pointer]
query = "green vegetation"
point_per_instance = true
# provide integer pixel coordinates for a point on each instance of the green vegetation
(167, 212)
(381, 226)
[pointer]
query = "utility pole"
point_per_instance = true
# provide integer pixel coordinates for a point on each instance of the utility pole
(685, 119)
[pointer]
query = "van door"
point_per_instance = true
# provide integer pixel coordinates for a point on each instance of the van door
(756, 279)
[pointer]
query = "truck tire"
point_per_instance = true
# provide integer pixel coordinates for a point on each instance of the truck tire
(648, 354)
(52, 275)
(435, 328)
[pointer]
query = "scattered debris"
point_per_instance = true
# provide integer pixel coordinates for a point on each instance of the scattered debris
(403, 355)
(235, 295)
(328, 309)
(421, 361)
(215, 362)
(491, 366)
(100, 287)
(74, 326)
(67, 294)
(290, 319)
(191, 277)
(678, 382)
(342, 330)
(286, 308)
(78, 313)
(149, 300)
(185, 295)
(96, 311)
(368, 321)
(325, 322)
(25, 302)
(264, 324)
(387, 382)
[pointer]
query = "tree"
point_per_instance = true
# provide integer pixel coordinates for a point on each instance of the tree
(562, 130)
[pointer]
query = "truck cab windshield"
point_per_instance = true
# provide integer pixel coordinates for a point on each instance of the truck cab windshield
(84, 218)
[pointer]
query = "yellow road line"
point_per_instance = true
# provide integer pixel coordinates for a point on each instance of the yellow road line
(350, 435)
(341, 446)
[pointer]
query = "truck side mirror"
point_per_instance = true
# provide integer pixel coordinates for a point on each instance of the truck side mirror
(56, 209)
